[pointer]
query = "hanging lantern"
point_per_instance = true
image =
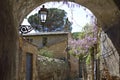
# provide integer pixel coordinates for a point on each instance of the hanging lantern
(43, 13)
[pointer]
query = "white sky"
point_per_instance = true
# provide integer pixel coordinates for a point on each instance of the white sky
(75, 13)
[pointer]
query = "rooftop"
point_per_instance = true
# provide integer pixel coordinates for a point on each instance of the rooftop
(44, 33)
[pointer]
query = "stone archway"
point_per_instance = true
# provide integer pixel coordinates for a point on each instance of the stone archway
(106, 12)
(13, 12)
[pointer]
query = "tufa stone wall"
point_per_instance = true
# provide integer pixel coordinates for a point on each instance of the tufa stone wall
(109, 57)
(51, 69)
(74, 67)
(59, 50)
(25, 48)
(56, 42)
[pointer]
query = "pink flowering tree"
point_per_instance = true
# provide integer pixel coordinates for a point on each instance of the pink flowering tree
(87, 44)
(81, 46)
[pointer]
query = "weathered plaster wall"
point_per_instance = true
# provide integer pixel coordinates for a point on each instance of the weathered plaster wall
(109, 56)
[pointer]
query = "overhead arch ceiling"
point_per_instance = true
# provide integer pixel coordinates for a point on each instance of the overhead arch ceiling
(106, 11)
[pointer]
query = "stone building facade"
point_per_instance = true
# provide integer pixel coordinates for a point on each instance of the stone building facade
(27, 68)
(55, 42)
(42, 68)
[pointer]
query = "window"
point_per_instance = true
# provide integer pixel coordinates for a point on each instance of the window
(29, 40)
(44, 41)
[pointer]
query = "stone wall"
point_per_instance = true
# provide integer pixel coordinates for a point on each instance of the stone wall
(74, 67)
(114, 34)
(25, 48)
(109, 56)
(56, 42)
(8, 42)
(51, 69)
(52, 38)
(58, 50)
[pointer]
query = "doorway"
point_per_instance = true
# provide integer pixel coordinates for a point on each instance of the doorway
(29, 66)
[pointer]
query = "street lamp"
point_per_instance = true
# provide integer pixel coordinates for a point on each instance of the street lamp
(43, 13)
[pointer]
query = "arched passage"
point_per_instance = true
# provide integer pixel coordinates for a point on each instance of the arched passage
(106, 12)
(100, 9)
(14, 11)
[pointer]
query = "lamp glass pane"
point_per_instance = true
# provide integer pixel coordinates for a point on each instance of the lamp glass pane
(43, 16)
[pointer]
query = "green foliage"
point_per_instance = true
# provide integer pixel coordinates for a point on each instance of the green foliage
(88, 59)
(71, 52)
(78, 35)
(81, 57)
(33, 20)
(56, 17)
(98, 50)
(83, 43)
(56, 20)
(87, 28)
(46, 53)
